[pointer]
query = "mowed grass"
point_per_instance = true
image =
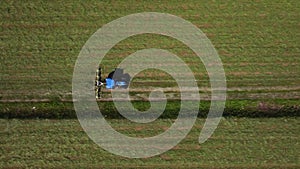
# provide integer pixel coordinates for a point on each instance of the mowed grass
(236, 143)
(258, 42)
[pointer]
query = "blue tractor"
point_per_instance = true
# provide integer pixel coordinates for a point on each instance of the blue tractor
(115, 79)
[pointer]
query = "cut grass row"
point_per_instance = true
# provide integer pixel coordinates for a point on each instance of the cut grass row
(234, 108)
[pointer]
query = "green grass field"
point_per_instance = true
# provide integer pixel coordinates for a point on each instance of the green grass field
(257, 41)
(237, 143)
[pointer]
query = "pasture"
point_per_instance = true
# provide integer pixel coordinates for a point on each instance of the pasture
(237, 143)
(257, 41)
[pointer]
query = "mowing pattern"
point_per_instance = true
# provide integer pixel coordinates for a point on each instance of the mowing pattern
(237, 143)
(257, 41)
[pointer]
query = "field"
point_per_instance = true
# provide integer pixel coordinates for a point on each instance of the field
(257, 41)
(237, 143)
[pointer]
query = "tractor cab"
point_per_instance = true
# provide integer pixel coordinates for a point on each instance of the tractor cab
(117, 78)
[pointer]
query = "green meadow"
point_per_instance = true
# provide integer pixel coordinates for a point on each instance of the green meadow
(257, 41)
